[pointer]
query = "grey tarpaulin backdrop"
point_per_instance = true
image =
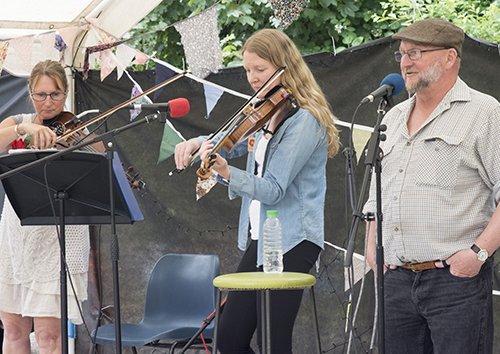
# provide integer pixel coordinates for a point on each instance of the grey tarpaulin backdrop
(176, 222)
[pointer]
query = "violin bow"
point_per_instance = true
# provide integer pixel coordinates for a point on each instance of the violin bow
(121, 105)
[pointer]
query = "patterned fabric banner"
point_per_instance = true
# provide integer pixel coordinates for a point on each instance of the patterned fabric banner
(24, 50)
(4, 46)
(136, 91)
(68, 36)
(287, 11)
(124, 55)
(48, 42)
(200, 38)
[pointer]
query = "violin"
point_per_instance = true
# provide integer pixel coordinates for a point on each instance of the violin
(252, 120)
(67, 121)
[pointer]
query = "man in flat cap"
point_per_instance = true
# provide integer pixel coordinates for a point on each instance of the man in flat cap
(440, 186)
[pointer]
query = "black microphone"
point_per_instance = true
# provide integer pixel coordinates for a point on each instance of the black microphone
(391, 85)
(177, 107)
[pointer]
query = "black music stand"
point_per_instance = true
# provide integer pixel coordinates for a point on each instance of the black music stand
(88, 190)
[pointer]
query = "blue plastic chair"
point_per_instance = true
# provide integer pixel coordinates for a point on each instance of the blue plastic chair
(180, 296)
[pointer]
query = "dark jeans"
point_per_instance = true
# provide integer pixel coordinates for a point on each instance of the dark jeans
(435, 312)
(241, 313)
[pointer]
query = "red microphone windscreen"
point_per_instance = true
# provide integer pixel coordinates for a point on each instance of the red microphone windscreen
(179, 107)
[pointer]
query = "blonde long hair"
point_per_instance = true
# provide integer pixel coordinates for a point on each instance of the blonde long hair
(52, 69)
(278, 48)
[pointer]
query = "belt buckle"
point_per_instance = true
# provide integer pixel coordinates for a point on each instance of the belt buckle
(415, 270)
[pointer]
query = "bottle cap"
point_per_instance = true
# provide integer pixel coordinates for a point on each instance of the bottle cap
(273, 213)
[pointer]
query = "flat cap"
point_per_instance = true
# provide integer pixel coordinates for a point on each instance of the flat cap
(433, 31)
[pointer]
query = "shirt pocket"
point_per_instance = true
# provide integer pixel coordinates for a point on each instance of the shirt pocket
(438, 162)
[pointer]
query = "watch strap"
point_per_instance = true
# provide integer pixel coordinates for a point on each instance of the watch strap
(475, 248)
(482, 254)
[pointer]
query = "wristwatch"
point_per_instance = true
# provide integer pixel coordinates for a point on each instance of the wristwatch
(482, 254)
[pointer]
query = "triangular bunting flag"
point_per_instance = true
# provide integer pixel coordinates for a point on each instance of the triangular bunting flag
(107, 63)
(287, 11)
(24, 50)
(360, 137)
(212, 95)
(4, 46)
(140, 58)
(171, 137)
(163, 73)
(68, 35)
(47, 41)
(200, 38)
(358, 262)
(124, 55)
(203, 186)
(136, 91)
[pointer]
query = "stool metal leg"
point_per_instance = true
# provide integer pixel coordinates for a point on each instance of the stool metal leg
(315, 319)
(216, 323)
(267, 304)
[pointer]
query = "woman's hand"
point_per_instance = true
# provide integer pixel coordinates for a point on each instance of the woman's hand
(43, 137)
(183, 151)
(219, 163)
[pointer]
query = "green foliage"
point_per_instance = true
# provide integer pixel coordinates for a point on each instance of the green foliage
(478, 18)
(325, 25)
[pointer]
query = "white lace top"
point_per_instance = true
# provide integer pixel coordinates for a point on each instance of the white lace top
(30, 265)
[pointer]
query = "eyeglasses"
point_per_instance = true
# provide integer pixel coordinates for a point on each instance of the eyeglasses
(56, 96)
(414, 54)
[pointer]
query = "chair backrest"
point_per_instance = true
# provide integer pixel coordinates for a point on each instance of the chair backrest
(181, 288)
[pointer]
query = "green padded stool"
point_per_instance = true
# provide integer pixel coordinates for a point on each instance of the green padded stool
(265, 283)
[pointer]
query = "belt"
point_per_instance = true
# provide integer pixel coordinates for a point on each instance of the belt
(418, 267)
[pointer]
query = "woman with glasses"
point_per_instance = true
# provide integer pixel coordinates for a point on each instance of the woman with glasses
(29, 255)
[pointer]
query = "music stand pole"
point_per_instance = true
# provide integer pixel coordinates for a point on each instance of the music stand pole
(114, 250)
(373, 159)
(61, 197)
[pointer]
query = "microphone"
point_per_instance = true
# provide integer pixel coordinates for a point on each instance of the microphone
(392, 84)
(177, 107)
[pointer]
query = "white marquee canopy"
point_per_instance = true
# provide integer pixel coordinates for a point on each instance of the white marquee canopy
(33, 17)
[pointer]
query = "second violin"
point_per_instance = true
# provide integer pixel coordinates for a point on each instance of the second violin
(251, 121)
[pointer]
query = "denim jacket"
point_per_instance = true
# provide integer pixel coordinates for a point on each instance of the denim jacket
(293, 182)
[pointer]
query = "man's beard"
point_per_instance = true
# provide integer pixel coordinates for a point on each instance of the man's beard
(431, 75)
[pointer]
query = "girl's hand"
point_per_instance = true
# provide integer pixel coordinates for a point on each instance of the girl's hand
(183, 151)
(219, 163)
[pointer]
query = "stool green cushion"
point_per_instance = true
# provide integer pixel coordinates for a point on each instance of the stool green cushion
(261, 280)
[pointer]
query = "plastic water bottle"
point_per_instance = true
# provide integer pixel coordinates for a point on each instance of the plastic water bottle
(273, 245)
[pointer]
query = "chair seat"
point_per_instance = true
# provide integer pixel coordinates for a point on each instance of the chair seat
(141, 334)
(261, 280)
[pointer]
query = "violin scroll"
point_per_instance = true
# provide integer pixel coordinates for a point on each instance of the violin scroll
(134, 181)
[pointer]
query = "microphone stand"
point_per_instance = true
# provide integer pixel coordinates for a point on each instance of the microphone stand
(373, 158)
(106, 138)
